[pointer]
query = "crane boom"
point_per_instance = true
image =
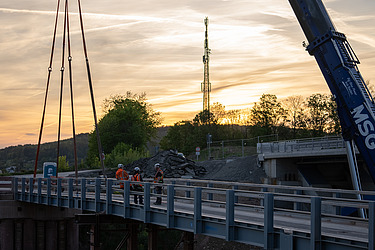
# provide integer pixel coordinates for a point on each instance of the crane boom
(338, 63)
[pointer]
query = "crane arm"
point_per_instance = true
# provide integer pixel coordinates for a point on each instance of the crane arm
(338, 63)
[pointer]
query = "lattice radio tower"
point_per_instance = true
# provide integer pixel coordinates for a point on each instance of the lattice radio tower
(206, 85)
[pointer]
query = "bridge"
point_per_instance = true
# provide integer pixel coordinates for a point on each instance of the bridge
(267, 216)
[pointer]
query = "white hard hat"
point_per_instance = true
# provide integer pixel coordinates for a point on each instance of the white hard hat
(157, 165)
(120, 165)
(137, 169)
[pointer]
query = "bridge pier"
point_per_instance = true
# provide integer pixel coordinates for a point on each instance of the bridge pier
(7, 233)
(31, 226)
(152, 236)
(27, 233)
(133, 239)
(95, 236)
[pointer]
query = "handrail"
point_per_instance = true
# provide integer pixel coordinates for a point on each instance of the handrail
(279, 191)
(99, 195)
(217, 188)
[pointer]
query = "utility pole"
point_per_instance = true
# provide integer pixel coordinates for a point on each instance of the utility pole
(206, 85)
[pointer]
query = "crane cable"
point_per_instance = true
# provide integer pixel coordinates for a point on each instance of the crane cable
(71, 95)
(47, 87)
(101, 153)
(61, 87)
(66, 35)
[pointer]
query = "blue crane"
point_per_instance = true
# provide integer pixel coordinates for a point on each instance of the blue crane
(338, 63)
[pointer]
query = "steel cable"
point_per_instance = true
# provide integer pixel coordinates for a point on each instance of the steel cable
(47, 87)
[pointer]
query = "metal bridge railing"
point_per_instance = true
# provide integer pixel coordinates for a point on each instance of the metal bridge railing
(221, 209)
(268, 144)
(309, 144)
(234, 148)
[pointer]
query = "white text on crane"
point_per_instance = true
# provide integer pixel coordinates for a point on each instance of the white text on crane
(365, 126)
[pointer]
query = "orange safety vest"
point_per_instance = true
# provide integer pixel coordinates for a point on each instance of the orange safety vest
(122, 175)
(136, 177)
(159, 178)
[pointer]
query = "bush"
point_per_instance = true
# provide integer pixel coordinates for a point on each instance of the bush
(125, 154)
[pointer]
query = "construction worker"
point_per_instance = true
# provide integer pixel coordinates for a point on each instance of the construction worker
(137, 187)
(121, 175)
(158, 178)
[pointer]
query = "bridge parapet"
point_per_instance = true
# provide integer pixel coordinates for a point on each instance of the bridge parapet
(240, 212)
(328, 145)
(6, 188)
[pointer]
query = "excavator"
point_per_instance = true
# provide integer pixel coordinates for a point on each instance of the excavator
(339, 66)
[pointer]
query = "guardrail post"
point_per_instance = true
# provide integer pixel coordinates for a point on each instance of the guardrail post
(83, 193)
(187, 193)
(97, 194)
(70, 193)
(49, 191)
(170, 206)
(197, 210)
(15, 188)
(23, 188)
(146, 202)
(263, 190)
(316, 226)
(127, 199)
(210, 196)
(371, 225)
(235, 187)
(39, 190)
(31, 189)
(108, 204)
(268, 221)
(58, 201)
(229, 223)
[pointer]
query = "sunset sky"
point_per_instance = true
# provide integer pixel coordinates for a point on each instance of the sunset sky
(156, 47)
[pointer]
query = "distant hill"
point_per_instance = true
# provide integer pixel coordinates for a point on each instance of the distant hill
(23, 156)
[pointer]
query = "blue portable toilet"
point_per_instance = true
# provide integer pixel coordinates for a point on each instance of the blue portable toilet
(49, 169)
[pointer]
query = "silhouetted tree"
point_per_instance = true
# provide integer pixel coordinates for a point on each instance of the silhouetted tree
(268, 113)
(333, 125)
(182, 137)
(205, 117)
(128, 119)
(322, 115)
(295, 112)
(218, 110)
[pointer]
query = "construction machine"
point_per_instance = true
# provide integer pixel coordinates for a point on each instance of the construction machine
(339, 66)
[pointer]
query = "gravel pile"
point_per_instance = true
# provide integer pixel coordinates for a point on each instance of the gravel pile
(173, 165)
(242, 169)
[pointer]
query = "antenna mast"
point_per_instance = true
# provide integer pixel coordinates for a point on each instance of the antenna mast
(206, 85)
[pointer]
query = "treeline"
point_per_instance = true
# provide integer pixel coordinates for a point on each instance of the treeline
(291, 118)
(130, 124)
(23, 156)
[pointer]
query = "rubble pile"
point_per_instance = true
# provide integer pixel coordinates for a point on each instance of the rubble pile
(174, 165)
